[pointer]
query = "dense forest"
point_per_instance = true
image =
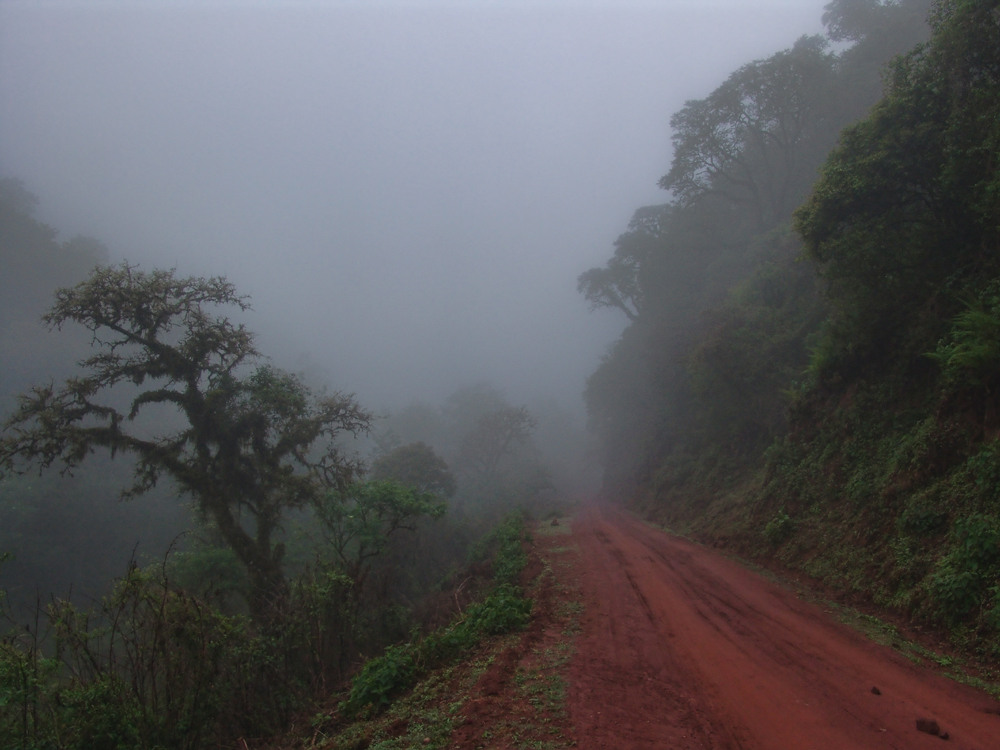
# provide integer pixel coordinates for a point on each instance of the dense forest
(810, 368)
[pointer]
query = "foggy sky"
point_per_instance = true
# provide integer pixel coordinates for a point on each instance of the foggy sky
(408, 191)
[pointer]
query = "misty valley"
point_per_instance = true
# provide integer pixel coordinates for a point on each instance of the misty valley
(431, 482)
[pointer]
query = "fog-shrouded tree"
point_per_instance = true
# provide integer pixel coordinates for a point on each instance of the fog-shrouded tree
(699, 292)
(619, 284)
(463, 409)
(494, 438)
(758, 138)
(251, 443)
(34, 264)
(906, 209)
(416, 465)
(498, 461)
(358, 523)
(900, 23)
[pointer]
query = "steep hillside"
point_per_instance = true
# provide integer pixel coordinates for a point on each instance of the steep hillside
(889, 475)
(824, 390)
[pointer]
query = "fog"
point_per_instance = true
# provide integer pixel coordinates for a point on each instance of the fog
(408, 191)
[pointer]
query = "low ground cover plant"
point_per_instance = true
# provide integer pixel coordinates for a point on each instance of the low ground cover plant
(504, 610)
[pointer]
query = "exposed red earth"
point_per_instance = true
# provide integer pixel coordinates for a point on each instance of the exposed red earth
(683, 648)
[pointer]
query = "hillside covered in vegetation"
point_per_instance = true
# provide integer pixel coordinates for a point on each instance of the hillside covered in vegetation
(812, 364)
(279, 536)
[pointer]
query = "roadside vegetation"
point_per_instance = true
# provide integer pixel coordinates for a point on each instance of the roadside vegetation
(290, 563)
(501, 678)
(810, 370)
(153, 665)
(504, 610)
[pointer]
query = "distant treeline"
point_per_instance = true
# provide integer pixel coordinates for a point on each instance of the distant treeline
(812, 364)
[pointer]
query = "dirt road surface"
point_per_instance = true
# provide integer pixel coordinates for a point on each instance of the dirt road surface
(683, 648)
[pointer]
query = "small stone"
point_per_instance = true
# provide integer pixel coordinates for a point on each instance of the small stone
(876, 691)
(928, 726)
(427, 740)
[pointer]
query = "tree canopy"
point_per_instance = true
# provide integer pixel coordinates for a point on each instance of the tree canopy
(909, 198)
(619, 284)
(359, 522)
(494, 438)
(750, 141)
(721, 313)
(416, 465)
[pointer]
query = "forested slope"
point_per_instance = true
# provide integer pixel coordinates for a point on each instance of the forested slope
(267, 559)
(811, 367)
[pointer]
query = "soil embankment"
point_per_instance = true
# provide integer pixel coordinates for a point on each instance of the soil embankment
(682, 648)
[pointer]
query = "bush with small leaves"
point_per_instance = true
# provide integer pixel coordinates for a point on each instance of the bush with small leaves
(779, 528)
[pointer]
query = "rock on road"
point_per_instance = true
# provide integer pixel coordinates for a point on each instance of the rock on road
(683, 648)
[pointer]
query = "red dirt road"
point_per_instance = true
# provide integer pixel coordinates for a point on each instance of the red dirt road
(682, 648)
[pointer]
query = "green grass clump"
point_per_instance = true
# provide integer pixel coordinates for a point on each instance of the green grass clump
(504, 544)
(505, 610)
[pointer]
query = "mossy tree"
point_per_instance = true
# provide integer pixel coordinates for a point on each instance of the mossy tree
(253, 441)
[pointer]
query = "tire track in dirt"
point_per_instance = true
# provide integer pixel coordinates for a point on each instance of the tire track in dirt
(682, 648)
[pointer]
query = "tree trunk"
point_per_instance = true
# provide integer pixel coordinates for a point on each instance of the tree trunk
(263, 563)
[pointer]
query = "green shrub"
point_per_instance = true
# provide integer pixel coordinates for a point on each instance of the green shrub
(992, 614)
(509, 562)
(153, 667)
(380, 678)
(505, 610)
(961, 582)
(984, 467)
(398, 668)
(923, 517)
(978, 537)
(25, 683)
(779, 528)
(102, 715)
(504, 544)
(971, 354)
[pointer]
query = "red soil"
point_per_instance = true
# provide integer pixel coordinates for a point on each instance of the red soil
(682, 648)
